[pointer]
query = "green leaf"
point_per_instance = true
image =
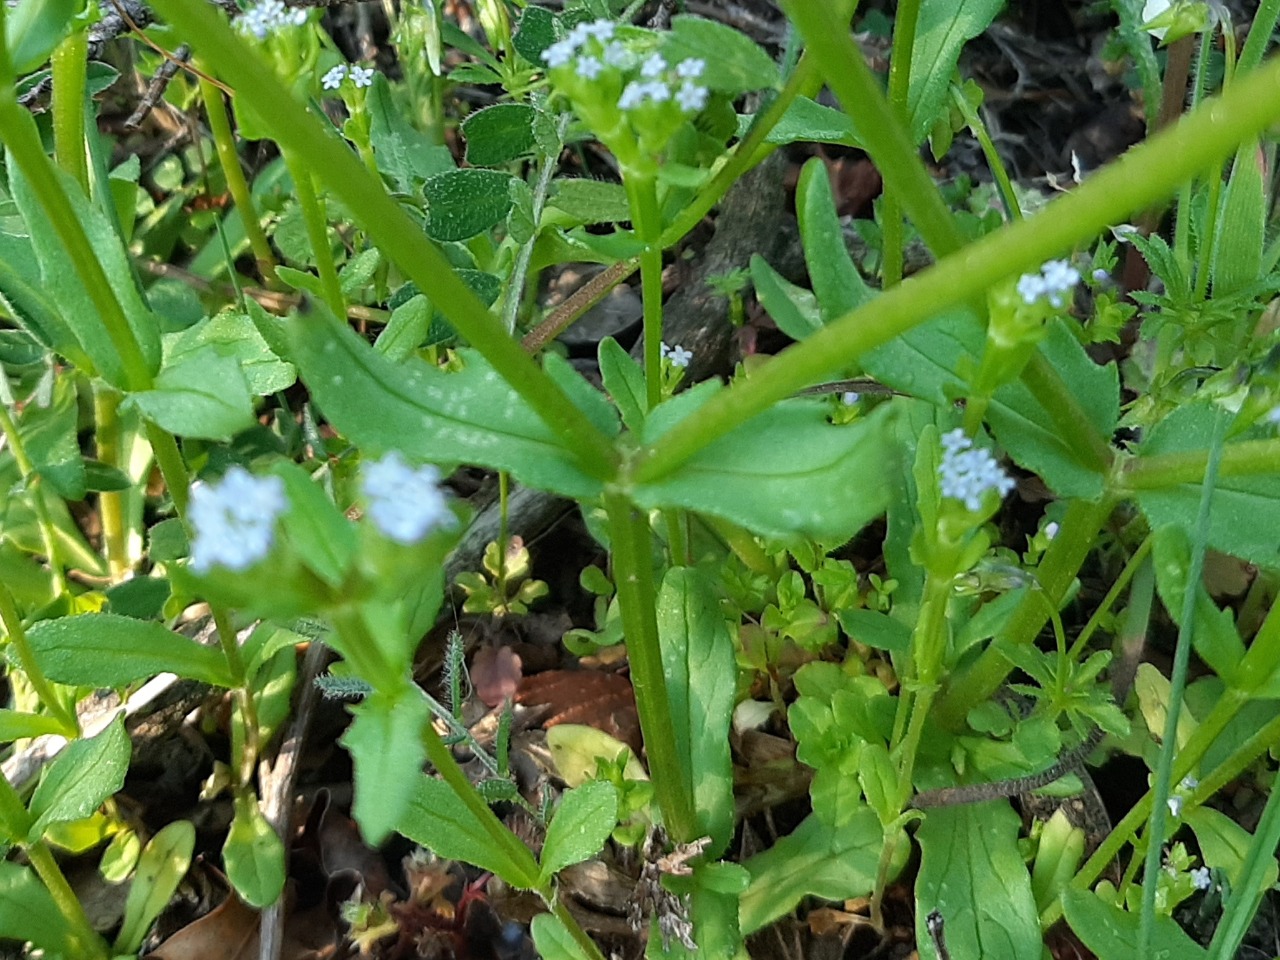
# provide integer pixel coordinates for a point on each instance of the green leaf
(535, 31)
(462, 203)
(466, 417)
(1224, 845)
(202, 395)
(53, 446)
(61, 281)
(1242, 225)
(806, 121)
(583, 821)
(28, 913)
(1244, 510)
(551, 937)
(499, 134)
(698, 663)
(787, 471)
(108, 650)
(163, 864)
(406, 329)
(875, 629)
(404, 154)
(167, 541)
(34, 28)
(793, 309)
(323, 536)
(385, 743)
(624, 382)
(254, 854)
(441, 822)
(836, 281)
(812, 860)
(16, 725)
(588, 201)
(942, 30)
(80, 779)
(235, 335)
(972, 873)
(1112, 933)
(735, 64)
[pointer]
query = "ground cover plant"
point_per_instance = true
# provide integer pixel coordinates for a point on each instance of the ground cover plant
(989, 494)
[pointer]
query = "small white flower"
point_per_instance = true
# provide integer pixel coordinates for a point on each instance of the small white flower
(690, 69)
(602, 30)
(1201, 877)
(653, 67)
(405, 503)
(333, 79)
(967, 474)
(589, 67)
(268, 16)
(679, 356)
(1101, 276)
(1051, 529)
(692, 97)
(558, 54)
(362, 76)
(658, 91)
(632, 96)
(617, 55)
(849, 398)
(234, 520)
(1175, 805)
(1188, 784)
(1055, 279)
(1273, 416)
(578, 36)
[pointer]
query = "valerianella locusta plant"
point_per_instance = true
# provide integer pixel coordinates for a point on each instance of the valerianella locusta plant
(234, 520)
(405, 503)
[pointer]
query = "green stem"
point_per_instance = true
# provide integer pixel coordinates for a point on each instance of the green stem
(974, 122)
(317, 224)
(68, 70)
(86, 941)
(172, 467)
(891, 225)
(35, 492)
(1177, 684)
(1061, 563)
(30, 666)
(1101, 614)
(928, 647)
(387, 225)
(642, 192)
(19, 135)
(1138, 179)
(1246, 458)
(515, 286)
(224, 142)
(633, 573)
(244, 694)
(1260, 31)
(111, 503)
(1070, 419)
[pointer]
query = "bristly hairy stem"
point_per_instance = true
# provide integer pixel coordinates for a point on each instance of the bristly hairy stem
(317, 224)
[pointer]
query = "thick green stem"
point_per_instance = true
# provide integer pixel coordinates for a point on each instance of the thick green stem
(87, 943)
(633, 572)
(68, 71)
(382, 218)
(317, 224)
(642, 192)
(1071, 421)
(1059, 567)
(30, 666)
(1246, 458)
(172, 467)
(1260, 31)
(928, 646)
(891, 226)
(1142, 176)
(111, 503)
(224, 142)
(35, 492)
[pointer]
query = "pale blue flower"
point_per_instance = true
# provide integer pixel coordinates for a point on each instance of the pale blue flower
(692, 97)
(1055, 279)
(967, 473)
(678, 355)
(653, 67)
(267, 16)
(589, 68)
(559, 54)
(405, 503)
(602, 30)
(1201, 877)
(1175, 805)
(362, 76)
(233, 520)
(690, 69)
(849, 398)
(617, 55)
(332, 80)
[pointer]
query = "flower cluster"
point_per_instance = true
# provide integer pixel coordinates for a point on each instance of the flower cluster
(1055, 279)
(360, 76)
(590, 48)
(268, 16)
(967, 473)
(405, 503)
(678, 355)
(234, 520)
